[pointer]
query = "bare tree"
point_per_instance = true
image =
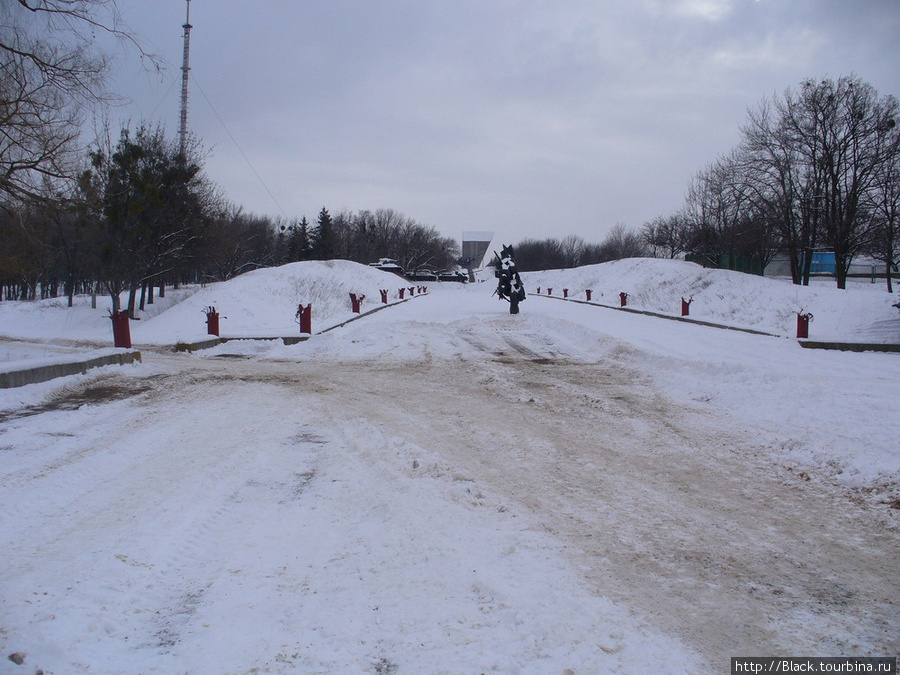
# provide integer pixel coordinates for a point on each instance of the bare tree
(842, 131)
(543, 254)
(51, 71)
(885, 207)
(665, 236)
(784, 188)
(622, 242)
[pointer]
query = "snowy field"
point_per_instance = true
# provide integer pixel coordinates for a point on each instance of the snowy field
(441, 487)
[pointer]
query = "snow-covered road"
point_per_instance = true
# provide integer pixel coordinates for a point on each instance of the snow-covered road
(443, 488)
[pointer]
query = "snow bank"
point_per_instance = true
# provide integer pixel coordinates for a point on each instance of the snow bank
(862, 313)
(263, 303)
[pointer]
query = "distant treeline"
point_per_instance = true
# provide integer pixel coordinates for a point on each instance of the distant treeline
(573, 251)
(142, 215)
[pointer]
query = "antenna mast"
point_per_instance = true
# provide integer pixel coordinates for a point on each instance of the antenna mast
(185, 70)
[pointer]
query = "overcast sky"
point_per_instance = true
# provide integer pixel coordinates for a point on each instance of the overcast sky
(531, 118)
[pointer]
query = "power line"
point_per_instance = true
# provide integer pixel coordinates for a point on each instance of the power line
(237, 145)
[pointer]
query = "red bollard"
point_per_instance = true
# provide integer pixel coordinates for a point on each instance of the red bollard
(121, 329)
(803, 320)
(412, 291)
(565, 292)
(304, 318)
(212, 321)
(623, 299)
(383, 295)
(686, 306)
(588, 294)
(538, 290)
(549, 291)
(355, 302)
(402, 293)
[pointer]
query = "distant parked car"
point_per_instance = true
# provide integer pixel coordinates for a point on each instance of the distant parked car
(458, 276)
(388, 265)
(422, 274)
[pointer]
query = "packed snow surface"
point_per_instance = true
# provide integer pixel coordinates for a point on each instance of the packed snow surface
(441, 487)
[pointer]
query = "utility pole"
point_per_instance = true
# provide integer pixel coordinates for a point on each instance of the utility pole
(185, 70)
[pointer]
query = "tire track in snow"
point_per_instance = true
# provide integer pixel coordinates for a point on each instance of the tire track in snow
(667, 507)
(133, 477)
(661, 507)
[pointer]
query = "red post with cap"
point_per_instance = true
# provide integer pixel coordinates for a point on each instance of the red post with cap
(212, 321)
(304, 318)
(803, 319)
(121, 329)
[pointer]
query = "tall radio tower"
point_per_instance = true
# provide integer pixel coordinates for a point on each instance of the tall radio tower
(185, 70)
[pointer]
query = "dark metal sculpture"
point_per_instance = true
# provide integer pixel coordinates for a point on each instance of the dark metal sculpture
(509, 284)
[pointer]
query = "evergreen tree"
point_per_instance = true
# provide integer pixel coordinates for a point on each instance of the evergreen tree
(299, 247)
(324, 245)
(150, 202)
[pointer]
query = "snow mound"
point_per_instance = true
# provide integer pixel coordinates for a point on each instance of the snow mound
(263, 303)
(862, 313)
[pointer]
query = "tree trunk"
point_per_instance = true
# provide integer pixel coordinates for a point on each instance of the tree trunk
(841, 265)
(132, 300)
(795, 260)
(807, 265)
(115, 295)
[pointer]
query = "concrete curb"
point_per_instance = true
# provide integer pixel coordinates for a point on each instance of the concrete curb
(62, 368)
(808, 344)
(851, 346)
(659, 315)
(216, 341)
(289, 340)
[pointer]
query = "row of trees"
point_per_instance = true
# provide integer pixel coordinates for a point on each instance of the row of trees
(573, 251)
(141, 214)
(137, 213)
(817, 168)
(367, 236)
